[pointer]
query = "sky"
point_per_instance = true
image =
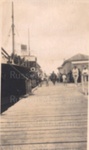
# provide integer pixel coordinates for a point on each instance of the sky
(58, 29)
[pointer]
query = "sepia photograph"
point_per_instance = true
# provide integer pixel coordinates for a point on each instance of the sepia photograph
(44, 74)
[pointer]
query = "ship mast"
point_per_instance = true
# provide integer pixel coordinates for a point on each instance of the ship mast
(13, 34)
(28, 42)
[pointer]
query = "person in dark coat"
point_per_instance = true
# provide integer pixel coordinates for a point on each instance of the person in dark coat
(53, 78)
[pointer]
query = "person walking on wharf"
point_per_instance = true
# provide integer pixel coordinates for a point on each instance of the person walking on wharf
(75, 74)
(85, 73)
(64, 78)
(53, 77)
(46, 80)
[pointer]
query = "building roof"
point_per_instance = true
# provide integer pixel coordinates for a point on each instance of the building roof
(59, 67)
(78, 57)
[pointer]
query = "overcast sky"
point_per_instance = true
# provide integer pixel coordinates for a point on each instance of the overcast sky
(59, 29)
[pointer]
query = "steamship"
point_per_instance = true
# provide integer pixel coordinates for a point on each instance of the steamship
(16, 71)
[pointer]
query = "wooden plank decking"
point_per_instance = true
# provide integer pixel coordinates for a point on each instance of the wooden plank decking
(54, 118)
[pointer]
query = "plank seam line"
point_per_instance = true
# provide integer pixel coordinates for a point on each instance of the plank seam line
(46, 143)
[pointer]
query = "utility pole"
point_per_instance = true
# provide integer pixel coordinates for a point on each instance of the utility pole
(13, 34)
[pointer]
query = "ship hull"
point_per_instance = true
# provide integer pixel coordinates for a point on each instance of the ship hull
(13, 84)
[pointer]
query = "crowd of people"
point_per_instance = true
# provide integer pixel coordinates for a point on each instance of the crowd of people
(74, 76)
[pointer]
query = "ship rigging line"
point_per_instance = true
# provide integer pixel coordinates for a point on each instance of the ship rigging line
(5, 51)
(4, 55)
(19, 72)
